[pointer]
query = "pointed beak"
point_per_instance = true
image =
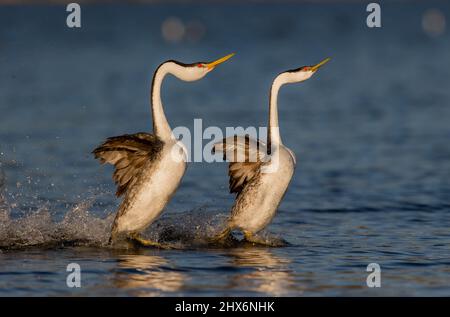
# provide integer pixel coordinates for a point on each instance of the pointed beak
(317, 66)
(219, 61)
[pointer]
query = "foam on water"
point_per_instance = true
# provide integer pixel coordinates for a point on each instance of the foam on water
(79, 227)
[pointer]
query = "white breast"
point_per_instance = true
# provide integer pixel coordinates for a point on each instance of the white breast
(156, 187)
(257, 205)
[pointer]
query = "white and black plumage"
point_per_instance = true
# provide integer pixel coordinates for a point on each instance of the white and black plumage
(260, 173)
(149, 167)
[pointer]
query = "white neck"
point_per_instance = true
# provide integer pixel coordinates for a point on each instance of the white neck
(161, 127)
(274, 137)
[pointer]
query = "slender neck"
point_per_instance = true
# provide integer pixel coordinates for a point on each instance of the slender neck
(274, 137)
(161, 127)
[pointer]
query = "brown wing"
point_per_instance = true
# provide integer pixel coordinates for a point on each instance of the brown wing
(246, 156)
(128, 153)
(241, 174)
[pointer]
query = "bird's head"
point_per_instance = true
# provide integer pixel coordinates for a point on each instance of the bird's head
(303, 73)
(196, 71)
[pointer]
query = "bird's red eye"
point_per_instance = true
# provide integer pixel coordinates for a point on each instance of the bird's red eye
(199, 65)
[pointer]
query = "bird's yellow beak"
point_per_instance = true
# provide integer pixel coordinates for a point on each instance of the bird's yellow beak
(219, 61)
(317, 66)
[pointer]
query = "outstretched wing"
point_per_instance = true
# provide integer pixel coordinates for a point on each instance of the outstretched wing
(128, 153)
(246, 156)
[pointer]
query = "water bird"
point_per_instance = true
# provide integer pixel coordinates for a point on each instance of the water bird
(149, 167)
(260, 173)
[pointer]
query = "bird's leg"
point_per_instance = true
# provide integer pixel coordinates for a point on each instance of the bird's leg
(222, 237)
(147, 243)
(250, 237)
(255, 239)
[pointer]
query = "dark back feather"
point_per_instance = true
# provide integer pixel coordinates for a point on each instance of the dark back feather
(128, 153)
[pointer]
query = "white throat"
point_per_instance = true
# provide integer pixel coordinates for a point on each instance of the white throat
(160, 125)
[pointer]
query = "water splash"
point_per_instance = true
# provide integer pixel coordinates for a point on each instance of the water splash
(181, 230)
(188, 229)
(82, 227)
(195, 228)
(2, 186)
(78, 227)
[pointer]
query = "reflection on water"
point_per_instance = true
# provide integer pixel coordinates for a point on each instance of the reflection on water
(259, 271)
(269, 274)
(147, 275)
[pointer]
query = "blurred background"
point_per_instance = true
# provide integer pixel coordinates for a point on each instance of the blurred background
(371, 130)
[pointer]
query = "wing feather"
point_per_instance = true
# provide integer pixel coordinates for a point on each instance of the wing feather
(128, 153)
(246, 156)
